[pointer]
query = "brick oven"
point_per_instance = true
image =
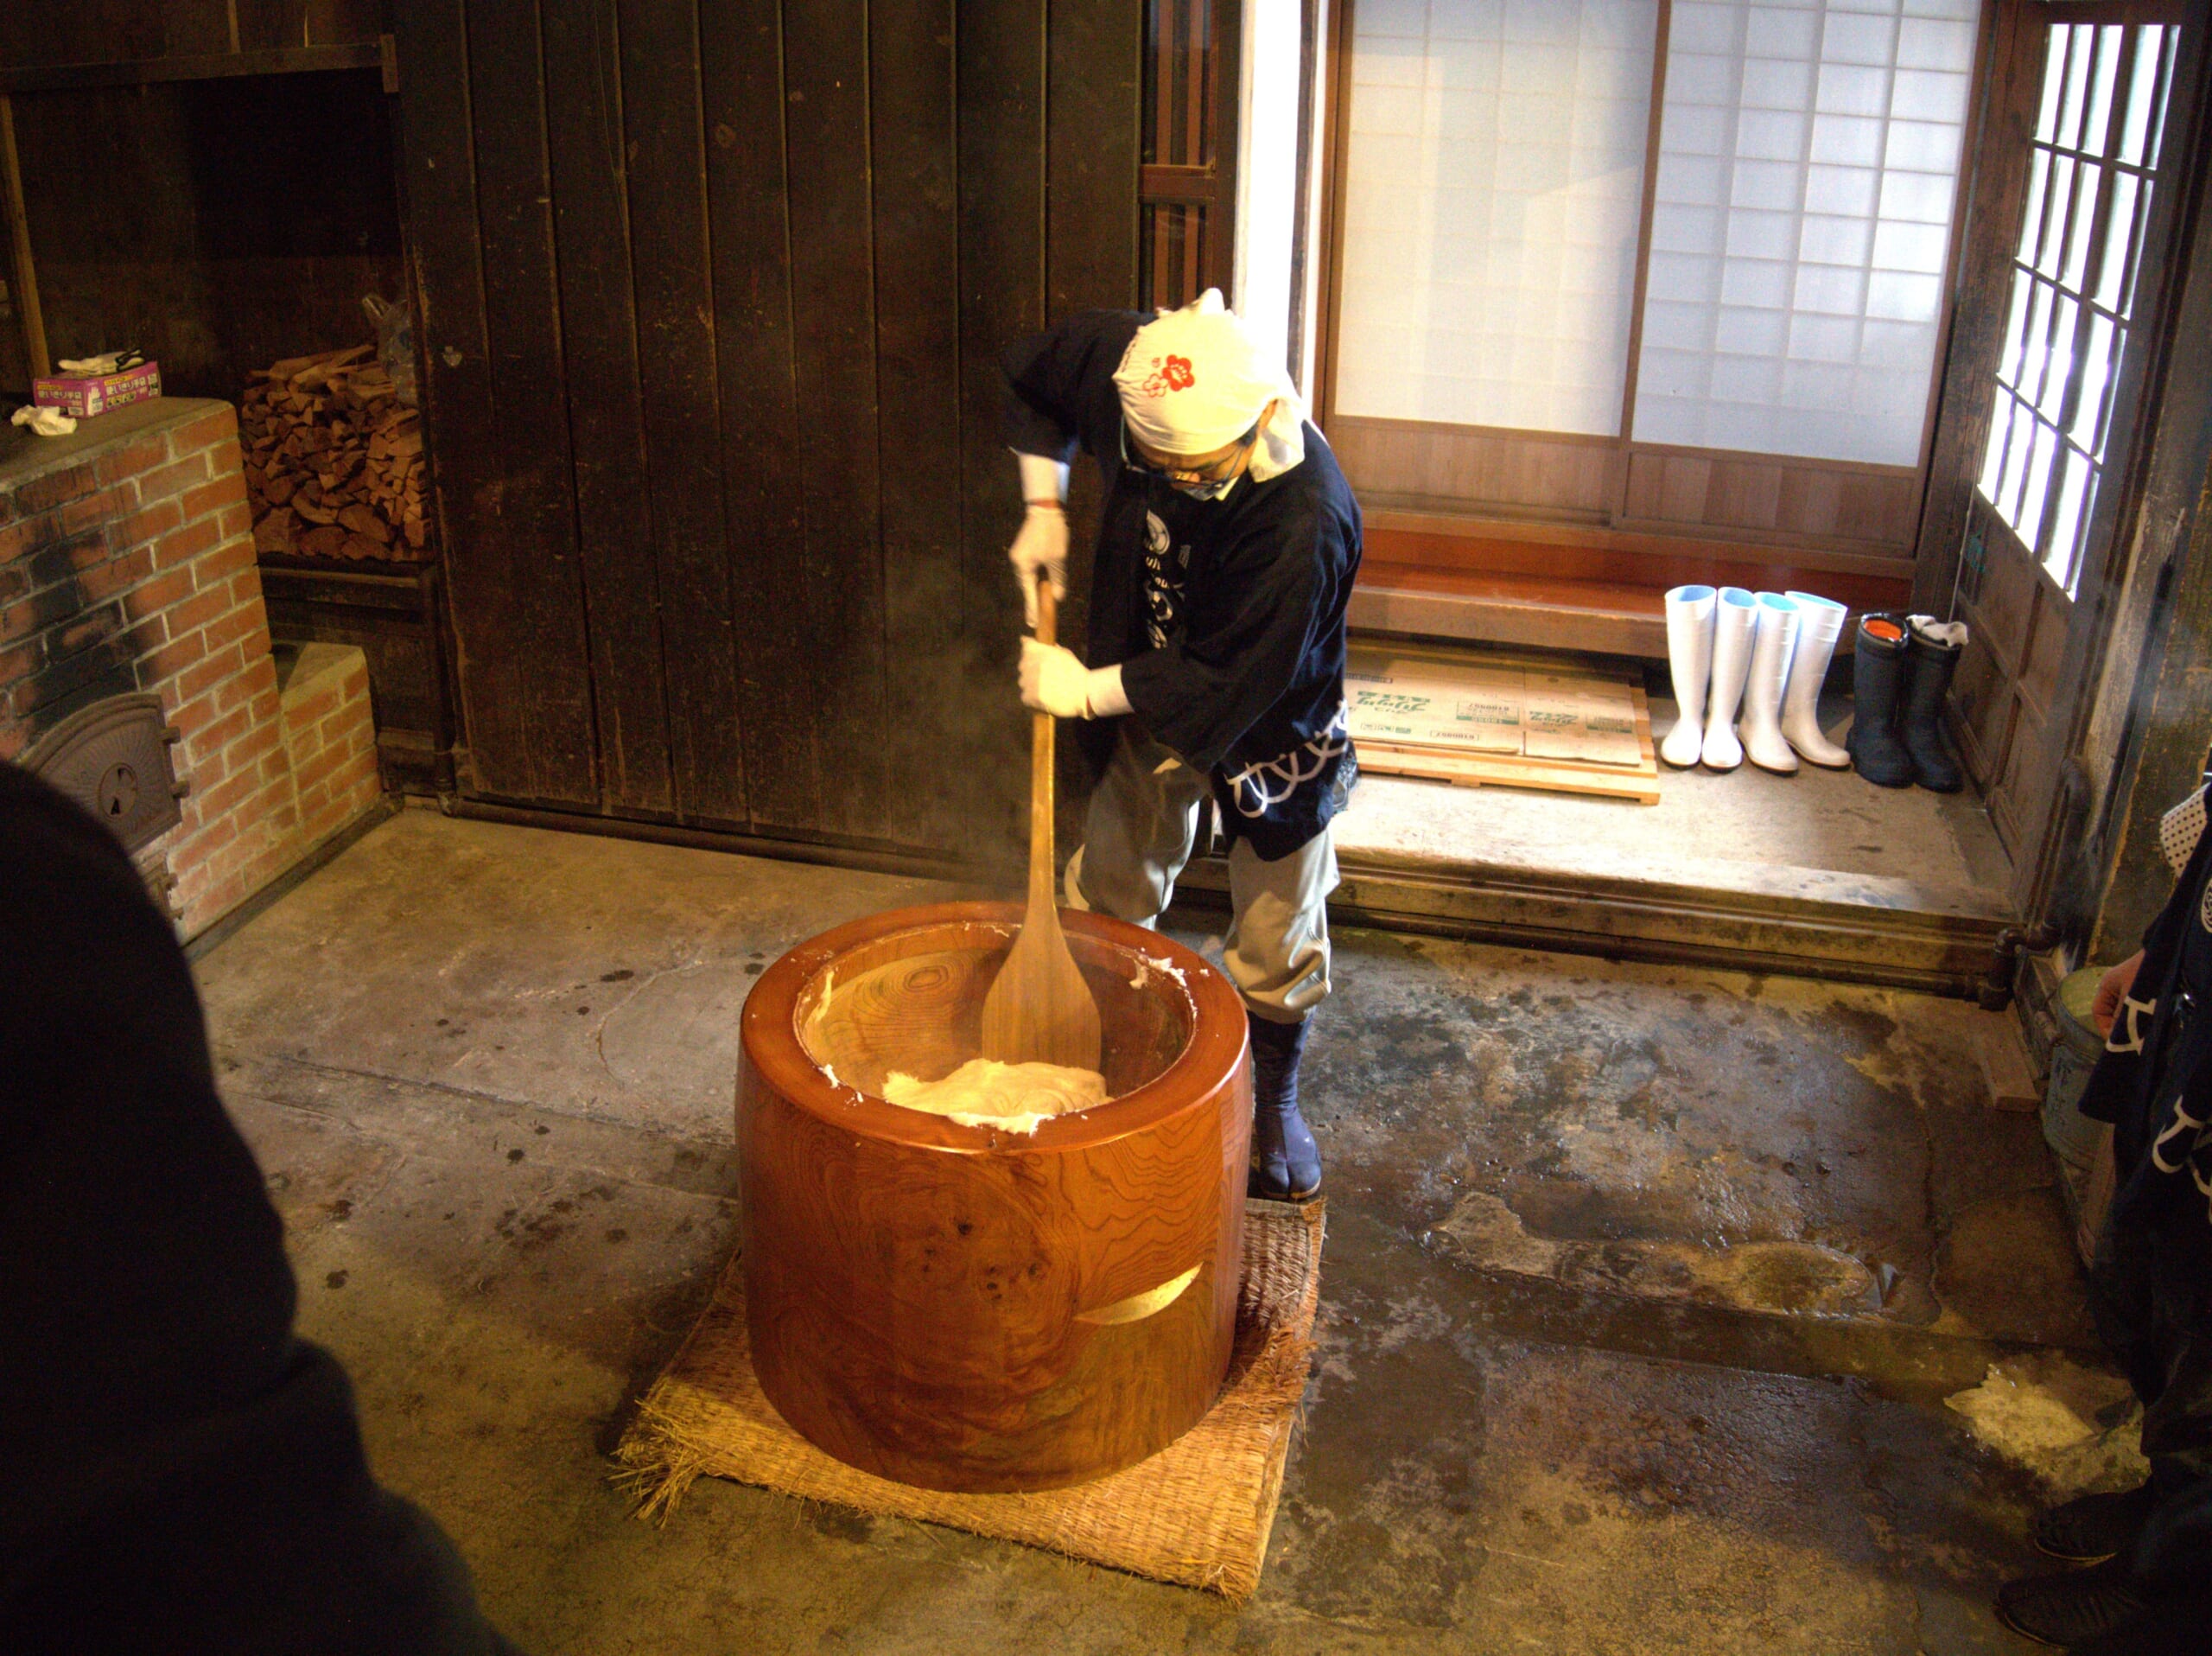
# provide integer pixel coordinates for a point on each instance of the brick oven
(134, 640)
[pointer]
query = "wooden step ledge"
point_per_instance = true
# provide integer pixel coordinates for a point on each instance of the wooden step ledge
(1815, 937)
(1527, 611)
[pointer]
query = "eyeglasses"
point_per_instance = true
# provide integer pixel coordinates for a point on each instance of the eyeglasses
(1210, 482)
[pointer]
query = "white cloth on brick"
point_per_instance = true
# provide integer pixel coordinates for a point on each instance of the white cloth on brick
(1194, 380)
(47, 422)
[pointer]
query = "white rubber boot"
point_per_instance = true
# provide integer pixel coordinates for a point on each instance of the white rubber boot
(1820, 623)
(1734, 615)
(1689, 659)
(1776, 637)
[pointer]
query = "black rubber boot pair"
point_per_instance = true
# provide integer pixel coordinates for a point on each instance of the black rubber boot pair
(1286, 1162)
(2101, 1608)
(1900, 674)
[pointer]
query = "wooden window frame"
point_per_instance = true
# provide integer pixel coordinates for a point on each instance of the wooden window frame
(2022, 743)
(1970, 361)
(1189, 186)
(2058, 224)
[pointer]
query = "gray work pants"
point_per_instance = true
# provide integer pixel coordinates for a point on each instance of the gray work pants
(1142, 824)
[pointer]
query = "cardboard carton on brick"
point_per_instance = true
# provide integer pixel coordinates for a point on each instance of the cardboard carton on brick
(85, 395)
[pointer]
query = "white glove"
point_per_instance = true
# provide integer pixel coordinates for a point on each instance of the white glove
(1053, 681)
(47, 422)
(1042, 543)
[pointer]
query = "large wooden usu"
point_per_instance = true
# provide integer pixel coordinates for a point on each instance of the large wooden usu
(962, 1308)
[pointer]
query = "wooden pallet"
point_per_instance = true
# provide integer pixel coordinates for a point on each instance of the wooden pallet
(1499, 720)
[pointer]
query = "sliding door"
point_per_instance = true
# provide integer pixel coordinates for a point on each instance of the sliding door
(1658, 266)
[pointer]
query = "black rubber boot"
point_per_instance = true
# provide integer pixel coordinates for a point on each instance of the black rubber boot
(2163, 1627)
(1933, 660)
(1879, 668)
(2073, 1607)
(2090, 1529)
(1286, 1162)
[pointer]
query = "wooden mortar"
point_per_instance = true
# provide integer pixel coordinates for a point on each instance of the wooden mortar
(964, 1307)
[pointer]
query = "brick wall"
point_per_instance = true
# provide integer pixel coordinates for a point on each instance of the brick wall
(130, 566)
(329, 736)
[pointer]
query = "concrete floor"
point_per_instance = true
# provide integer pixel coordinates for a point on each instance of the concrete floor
(1642, 1285)
(1817, 834)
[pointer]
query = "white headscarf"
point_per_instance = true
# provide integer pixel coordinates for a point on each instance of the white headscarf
(1194, 379)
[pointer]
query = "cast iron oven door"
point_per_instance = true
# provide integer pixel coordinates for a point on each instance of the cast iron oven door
(113, 759)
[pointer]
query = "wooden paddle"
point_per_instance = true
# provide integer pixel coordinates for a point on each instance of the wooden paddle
(1040, 1010)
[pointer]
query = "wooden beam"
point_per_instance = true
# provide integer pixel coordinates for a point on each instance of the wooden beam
(1161, 184)
(19, 239)
(212, 65)
(1336, 142)
(1225, 73)
(1654, 122)
(1597, 552)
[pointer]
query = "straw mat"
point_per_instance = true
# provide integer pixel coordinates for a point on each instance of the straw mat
(1198, 1512)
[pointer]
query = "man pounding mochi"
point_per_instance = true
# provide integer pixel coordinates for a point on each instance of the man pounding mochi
(1227, 546)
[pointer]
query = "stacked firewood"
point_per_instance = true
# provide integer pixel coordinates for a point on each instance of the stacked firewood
(334, 459)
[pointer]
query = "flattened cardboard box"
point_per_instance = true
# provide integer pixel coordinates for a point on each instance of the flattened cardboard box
(1398, 702)
(1401, 700)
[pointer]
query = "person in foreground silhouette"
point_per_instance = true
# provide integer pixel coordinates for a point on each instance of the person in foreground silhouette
(2143, 1581)
(179, 1472)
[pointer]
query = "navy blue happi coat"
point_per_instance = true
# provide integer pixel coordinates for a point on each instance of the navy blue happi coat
(1227, 616)
(2151, 1285)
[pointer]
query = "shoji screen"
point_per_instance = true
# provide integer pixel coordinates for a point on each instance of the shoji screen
(1496, 178)
(1807, 170)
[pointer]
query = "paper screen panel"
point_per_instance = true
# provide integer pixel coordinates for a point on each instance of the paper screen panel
(1494, 181)
(1807, 174)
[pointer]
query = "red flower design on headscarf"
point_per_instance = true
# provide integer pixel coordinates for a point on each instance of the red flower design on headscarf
(1169, 374)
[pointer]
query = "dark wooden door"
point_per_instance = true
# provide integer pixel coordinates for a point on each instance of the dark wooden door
(2052, 369)
(713, 294)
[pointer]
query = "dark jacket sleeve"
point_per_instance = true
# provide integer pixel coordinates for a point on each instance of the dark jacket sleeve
(1051, 376)
(1200, 692)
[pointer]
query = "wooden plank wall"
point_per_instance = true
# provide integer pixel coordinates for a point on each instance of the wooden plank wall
(1415, 463)
(215, 225)
(714, 293)
(1785, 504)
(106, 31)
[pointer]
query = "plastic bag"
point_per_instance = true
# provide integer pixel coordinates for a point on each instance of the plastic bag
(395, 326)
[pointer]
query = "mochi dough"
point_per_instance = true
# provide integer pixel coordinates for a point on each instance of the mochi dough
(1014, 1098)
